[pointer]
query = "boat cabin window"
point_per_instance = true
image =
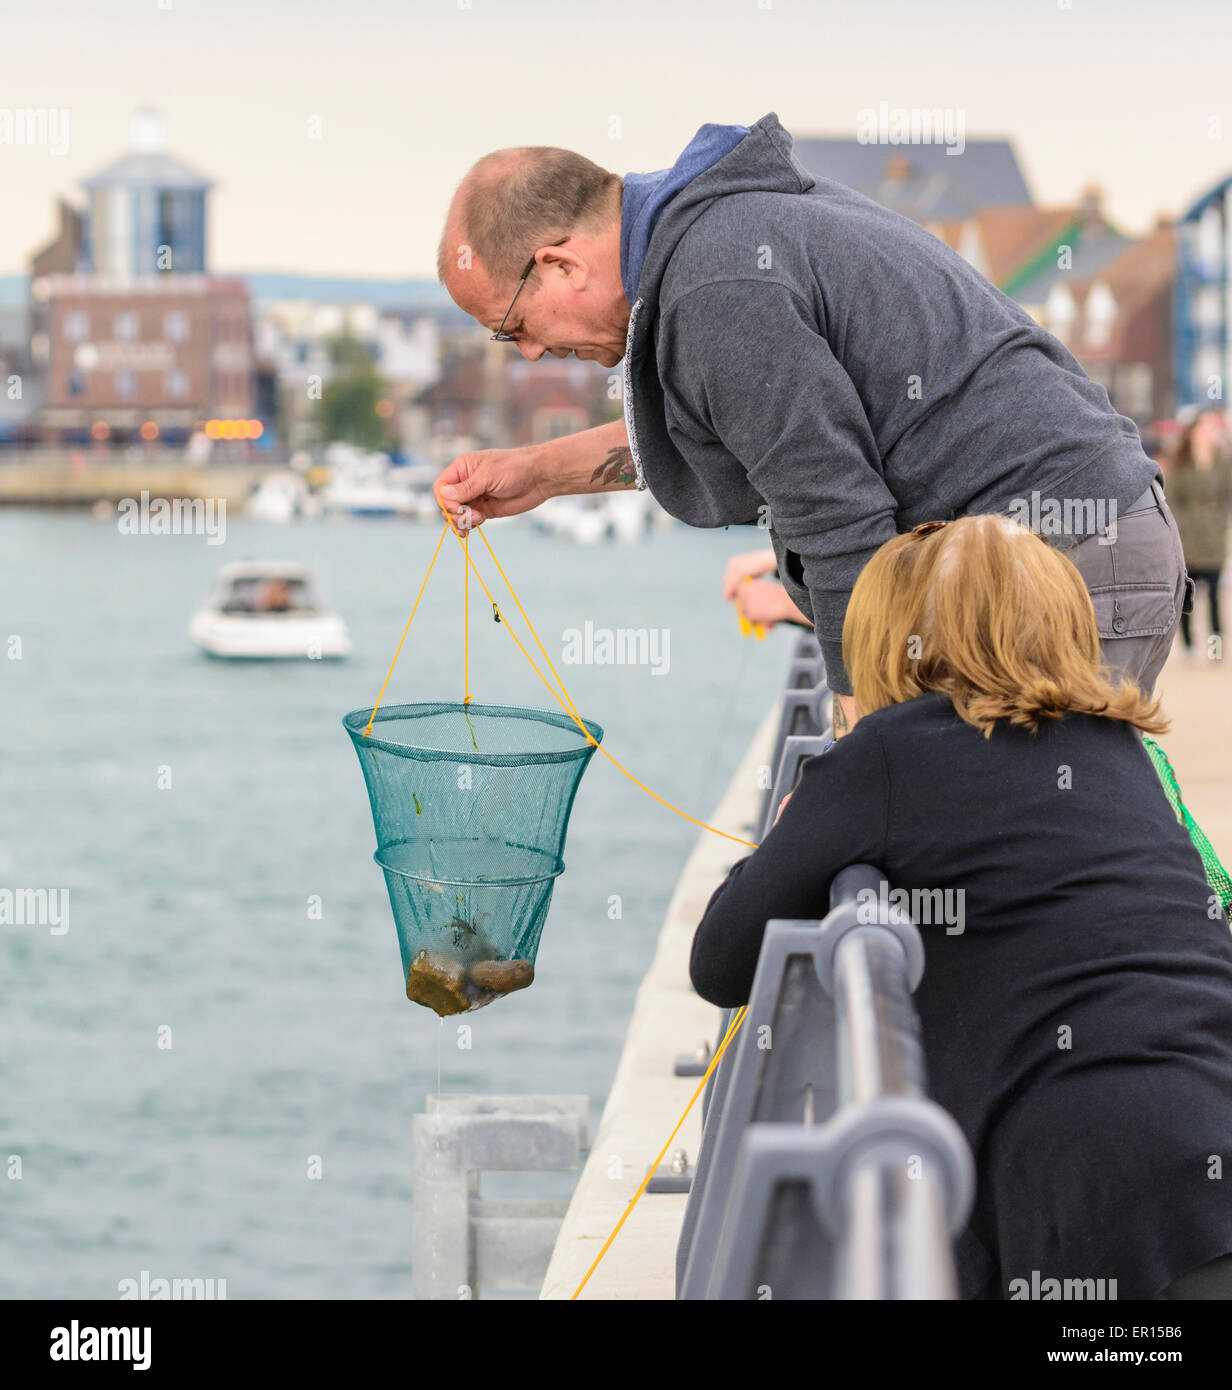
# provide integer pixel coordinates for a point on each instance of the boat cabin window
(271, 594)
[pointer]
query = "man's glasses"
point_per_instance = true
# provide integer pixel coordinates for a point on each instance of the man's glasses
(500, 336)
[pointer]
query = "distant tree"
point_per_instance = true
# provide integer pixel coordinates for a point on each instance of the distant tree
(346, 412)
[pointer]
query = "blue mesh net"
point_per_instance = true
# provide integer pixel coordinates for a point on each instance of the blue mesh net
(470, 804)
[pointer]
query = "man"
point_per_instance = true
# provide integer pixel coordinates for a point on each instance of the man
(799, 357)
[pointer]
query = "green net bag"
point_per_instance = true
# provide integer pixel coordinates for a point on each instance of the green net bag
(1216, 875)
(471, 804)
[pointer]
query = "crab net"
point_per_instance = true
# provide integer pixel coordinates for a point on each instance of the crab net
(470, 803)
(1217, 876)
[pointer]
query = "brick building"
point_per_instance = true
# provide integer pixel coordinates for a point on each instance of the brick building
(130, 336)
(115, 354)
(489, 396)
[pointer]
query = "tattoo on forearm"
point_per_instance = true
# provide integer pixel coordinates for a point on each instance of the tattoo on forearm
(841, 724)
(618, 467)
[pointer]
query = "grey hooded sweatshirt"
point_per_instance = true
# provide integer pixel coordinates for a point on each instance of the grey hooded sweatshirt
(802, 358)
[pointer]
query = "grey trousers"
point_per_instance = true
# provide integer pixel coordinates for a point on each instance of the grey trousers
(1138, 585)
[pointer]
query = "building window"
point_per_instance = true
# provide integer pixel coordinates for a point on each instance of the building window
(125, 385)
(1138, 395)
(1101, 373)
(1060, 311)
(177, 383)
(76, 326)
(126, 327)
(1101, 311)
(175, 326)
(76, 384)
(1208, 307)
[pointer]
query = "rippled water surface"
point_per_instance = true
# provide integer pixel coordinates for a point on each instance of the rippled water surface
(291, 1044)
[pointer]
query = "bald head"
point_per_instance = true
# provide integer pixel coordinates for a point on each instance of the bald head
(513, 201)
(563, 210)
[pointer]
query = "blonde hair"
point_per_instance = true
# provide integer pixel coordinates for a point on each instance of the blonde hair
(988, 613)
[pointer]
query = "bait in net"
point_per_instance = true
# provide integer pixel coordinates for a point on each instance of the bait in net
(471, 804)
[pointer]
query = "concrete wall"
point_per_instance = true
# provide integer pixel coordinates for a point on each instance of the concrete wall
(52, 479)
(646, 1099)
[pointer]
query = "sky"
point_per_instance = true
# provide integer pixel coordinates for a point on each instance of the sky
(337, 132)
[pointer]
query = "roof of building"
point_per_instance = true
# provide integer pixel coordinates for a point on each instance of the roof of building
(152, 168)
(1007, 237)
(1092, 249)
(924, 182)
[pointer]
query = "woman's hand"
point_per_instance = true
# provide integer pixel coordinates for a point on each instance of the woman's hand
(751, 565)
(782, 807)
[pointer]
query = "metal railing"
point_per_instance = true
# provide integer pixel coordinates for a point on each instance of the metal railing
(825, 1171)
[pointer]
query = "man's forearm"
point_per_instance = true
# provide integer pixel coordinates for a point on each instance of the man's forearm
(597, 460)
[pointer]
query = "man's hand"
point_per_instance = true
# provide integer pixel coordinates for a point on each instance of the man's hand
(504, 482)
(751, 565)
(490, 482)
(845, 714)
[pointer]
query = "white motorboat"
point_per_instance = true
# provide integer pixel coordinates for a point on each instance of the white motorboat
(578, 519)
(268, 611)
(363, 484)
(628, 514)
(621, 516)
(281, 497)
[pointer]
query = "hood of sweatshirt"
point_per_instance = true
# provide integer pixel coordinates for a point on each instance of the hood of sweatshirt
(645, 195)
(723, 160)
(759, 161)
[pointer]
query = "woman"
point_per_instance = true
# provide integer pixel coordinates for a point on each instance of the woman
(1200, 495)
(1079, 1028)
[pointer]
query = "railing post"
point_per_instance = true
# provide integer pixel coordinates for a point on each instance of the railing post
(829, 1173)
(462, 1243)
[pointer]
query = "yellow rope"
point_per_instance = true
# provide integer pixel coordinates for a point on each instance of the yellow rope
(466, 621)
(533, 633)
(405, 630)
(562, 698)
(732, 1030)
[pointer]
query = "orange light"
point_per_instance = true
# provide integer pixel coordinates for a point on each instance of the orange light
(255, 429)
(228, 429)
(100, 430)
(213, 429)
(149, 431)
(384, 409)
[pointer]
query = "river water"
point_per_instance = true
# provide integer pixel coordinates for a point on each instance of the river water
(206, 1076)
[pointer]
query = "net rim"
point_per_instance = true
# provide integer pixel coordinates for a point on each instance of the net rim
(470, 882)
(357, 721)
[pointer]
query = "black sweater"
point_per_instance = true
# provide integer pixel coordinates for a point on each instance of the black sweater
(1079, 1026)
